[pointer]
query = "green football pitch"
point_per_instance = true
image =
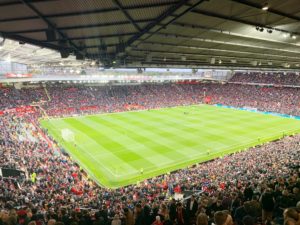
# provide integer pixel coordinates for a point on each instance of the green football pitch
(118, 149)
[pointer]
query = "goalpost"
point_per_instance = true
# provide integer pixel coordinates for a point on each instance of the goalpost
(68, 135)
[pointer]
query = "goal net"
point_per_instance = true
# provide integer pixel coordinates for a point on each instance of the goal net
(67, 135)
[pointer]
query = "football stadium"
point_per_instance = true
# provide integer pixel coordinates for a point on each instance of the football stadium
(118, 149)
(149, 112)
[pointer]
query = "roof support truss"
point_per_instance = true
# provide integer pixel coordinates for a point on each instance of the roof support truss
(124, 11)
(169, 12)
(90, 11)
(50, 24)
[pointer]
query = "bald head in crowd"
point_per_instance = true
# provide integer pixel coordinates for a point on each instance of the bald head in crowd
(51, 222)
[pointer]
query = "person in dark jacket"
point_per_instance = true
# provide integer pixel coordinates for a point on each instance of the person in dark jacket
(191, 209)
(172, 210)
(181, 217)
(138, 215)
(267, 203)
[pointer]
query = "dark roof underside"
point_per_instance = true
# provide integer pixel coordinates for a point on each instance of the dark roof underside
(161, 32)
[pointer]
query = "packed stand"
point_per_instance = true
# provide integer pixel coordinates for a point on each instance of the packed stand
(267, 78)
(78, 99)
(260, 185)
(81, 99)
(274, 99)
(13, 97)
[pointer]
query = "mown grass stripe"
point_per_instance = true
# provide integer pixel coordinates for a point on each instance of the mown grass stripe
(94, 137)
(164, 140)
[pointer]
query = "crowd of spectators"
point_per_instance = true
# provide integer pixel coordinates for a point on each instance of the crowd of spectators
(284, 100)
(257, 186)
(13, 97)
(69, 100)
(77, 99)
(116, 98)
(280, 78)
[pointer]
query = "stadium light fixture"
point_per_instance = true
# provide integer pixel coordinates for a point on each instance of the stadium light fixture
(285, 35)
(265, 7)
(293, 36)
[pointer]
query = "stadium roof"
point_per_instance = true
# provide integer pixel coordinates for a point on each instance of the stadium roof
(143, 33)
